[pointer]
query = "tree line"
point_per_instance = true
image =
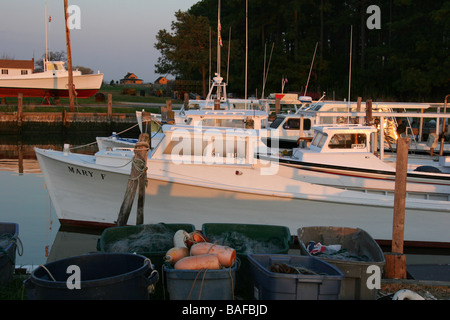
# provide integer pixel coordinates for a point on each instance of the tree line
(404, 58)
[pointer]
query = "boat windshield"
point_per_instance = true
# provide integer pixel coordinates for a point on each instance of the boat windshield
(276, 123)
(319, 139)
(348, 141)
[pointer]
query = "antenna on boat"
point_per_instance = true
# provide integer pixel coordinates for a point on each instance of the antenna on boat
(219, 43)
(310, 69)
(350, 67)
(46, 37)
(229, 46)
(246, 50)
(209, 78)
(266, 72)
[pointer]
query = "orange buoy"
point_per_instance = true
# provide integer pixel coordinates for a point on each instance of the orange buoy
(204, 261)
(195, 237)
(175, 254)
(225, 254)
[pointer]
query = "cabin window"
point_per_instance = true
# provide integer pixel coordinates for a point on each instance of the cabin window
(4, 71)
(208, 148)
(348, 141)
(306, 124)
(319, 139)
(229, 123)
(294, 124)
(23, 72)
(275, 124)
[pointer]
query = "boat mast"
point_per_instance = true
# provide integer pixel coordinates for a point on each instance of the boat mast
(310, 69)
(246, 50)
(350, 66)
(46, 37)
(219, 42)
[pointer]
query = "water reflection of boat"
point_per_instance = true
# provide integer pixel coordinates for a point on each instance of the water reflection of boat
(71, 242)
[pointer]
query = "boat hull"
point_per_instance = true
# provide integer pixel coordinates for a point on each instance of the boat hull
(50, 86)
(419, 184)
(84, 194)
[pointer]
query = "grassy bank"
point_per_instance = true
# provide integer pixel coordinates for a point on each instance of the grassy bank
(119, 94)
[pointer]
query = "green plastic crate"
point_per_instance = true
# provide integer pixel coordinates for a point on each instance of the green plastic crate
(155, 249)
(248, 239)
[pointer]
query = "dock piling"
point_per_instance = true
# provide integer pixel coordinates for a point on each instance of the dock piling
(395, 267)
(138, 179)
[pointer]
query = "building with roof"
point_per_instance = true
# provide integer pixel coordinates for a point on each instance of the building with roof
(131, 78)
(16, 67)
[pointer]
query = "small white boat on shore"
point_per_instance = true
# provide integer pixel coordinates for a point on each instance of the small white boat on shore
(52, 82)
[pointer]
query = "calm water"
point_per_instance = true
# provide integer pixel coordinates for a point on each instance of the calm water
(24, 200)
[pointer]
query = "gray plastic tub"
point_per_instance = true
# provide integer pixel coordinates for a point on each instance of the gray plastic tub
(268, 285)
(363, 252)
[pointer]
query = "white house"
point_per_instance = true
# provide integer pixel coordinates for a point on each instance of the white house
(16, 67)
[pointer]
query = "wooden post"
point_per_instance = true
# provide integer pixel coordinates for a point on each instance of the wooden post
(396, 262)
(71, 87)
(369, 111)
(186, 101)
(19, 109)
(216, 104)
(64, 117)
(358, 108)
(109, 105)
(164, 114)
(170, 113)
(138, 178)
(3, 100)
(277, 105)
(169, 105)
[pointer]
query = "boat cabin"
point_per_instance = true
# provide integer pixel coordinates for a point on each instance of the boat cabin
(342, 145)
(243, 119)
(54, 66)
(348, 138)
(186, 144)
(290, 128)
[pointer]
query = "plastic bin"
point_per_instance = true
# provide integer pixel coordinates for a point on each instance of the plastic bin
(268, 285)
(201, 284)
(103, 276)
(9, 233)
(358, 243)
(248, 239)
(149, 240)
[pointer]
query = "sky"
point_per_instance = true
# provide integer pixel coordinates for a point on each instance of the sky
(115, 36)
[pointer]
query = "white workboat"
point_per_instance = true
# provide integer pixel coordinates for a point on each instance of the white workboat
(211, 174)
(344, 156)
(52, 82)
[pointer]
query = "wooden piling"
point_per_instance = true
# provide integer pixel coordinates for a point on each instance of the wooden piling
(277, 105)
(358, 107)
(216, 104)
(109, 105)
(71, 86)
(369, 111)
(170, 113)
(19, 109)
(395, 266)
(138, 179)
